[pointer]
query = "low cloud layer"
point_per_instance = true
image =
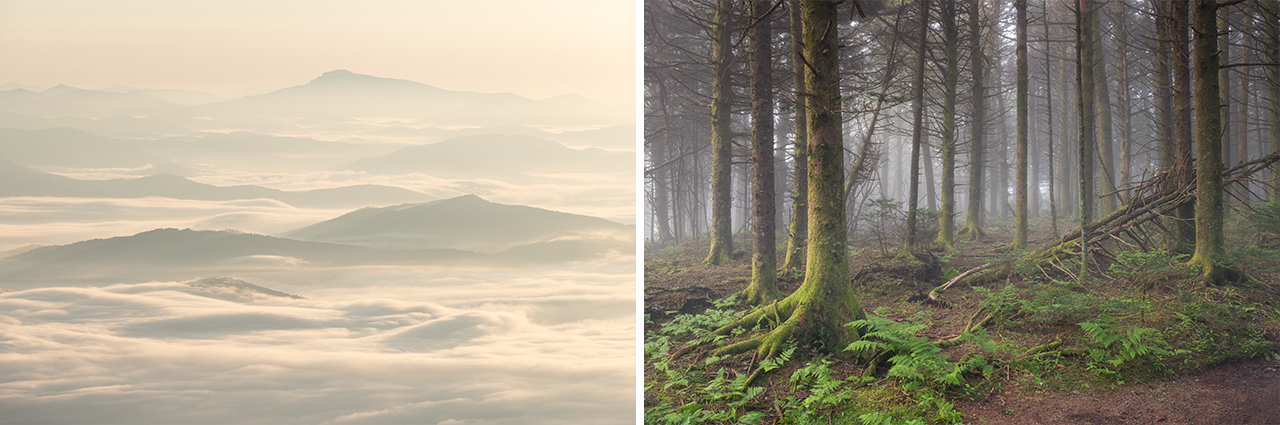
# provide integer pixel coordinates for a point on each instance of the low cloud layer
(402, 345)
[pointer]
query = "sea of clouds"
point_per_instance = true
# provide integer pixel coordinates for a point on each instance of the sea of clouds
(429, 345)
(385, 344)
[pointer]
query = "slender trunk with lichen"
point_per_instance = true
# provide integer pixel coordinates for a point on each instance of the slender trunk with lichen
(799, 228)
(1085, 107)
(764, 274)
(661, 180)
(1224, 85)
(1119, 10)
(913, 202)
(1210, 239)
(1184, 217)
(972, 229)
(815, 314)
(1242, 123)
(721, 141)
(1020, 191)
(1106, 144)
(1048, 90)
(1163, 88)
(1271, 26)
(1000, 171)
(1070, 199)
(947, 219)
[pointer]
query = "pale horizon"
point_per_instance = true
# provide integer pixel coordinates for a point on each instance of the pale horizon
(233, 49)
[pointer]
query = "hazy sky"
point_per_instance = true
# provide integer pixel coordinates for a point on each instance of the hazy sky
(533, 48)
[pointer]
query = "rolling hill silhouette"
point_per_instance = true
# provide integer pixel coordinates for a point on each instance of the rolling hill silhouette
(173, 253)
(233, 289)
(473, 224)
(67, 101)
(245, 150)
(16, 180)
(345, 94)
(67, 147)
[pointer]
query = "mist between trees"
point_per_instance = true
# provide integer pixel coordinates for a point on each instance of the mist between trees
(974, 114)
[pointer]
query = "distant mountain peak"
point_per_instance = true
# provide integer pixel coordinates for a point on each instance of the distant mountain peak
(469, 198)
(345, 76)
(60, 89)
(337, 73)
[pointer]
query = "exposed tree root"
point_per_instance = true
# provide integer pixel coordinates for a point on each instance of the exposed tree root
(970, 232)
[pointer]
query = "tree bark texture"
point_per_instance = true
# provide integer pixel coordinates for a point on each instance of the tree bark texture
(721, 141)
(764, 279)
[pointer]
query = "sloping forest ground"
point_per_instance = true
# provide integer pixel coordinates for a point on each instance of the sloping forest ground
(1139, 341)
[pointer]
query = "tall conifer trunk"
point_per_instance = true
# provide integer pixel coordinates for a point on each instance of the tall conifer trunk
(1106, 144)
(917, 128)
(947, 219)
(1085, 108)
(799, 228)
(1183, 173)
(721, 141)
(972, 229)
(764, 280)
(1271, 26)
(1020, 221)
(1210, 238)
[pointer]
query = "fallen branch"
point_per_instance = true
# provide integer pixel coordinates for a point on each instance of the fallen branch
(937, 292)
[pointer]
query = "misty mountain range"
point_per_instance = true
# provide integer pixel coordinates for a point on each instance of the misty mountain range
(381, 141)
(466, 222)
(333, 97)
(490, 156)
(495, 156)
(462, 230)
(16, 180)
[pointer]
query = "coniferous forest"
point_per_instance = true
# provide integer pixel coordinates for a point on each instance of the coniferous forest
(977, 211)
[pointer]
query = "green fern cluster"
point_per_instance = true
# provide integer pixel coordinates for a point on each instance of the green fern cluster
(824, 391)
(919, 364)
(1116, 348)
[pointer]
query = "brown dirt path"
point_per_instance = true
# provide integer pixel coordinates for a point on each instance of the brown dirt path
(1239, 393)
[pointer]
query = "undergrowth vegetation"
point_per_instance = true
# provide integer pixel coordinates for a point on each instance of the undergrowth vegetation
(1146, 317)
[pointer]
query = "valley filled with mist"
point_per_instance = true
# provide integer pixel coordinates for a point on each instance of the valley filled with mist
(351, 249)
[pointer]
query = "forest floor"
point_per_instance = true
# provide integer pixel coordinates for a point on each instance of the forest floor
(1211, 356)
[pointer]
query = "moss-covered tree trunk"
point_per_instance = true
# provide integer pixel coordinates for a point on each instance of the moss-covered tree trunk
(799, 226)
(1106, 144)
(1162, 87)
(661, 179)
(1210, 238)
(1085, 108)
(913, 201)
(947, 218)
(1020, 192)
(815, 314)
(721, 141)
(1048, 90)
(1242, 123)
(972, 229)
(1183, 171)
(1224, 85)
(1067, 70)
(1271, 30)
(1119, 12)
(999, 193)
(764, 273)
